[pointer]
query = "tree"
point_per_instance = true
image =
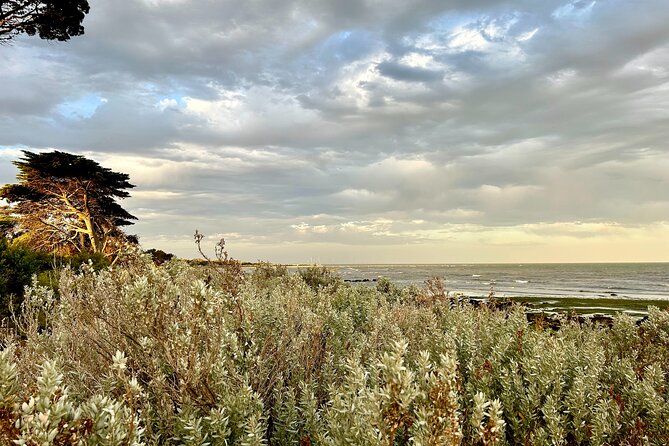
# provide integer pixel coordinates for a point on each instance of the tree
(159, 256)
(66, 204)
(7, 222)
(50, 19)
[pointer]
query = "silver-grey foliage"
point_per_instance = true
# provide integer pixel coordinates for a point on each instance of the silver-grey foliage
(152, 355)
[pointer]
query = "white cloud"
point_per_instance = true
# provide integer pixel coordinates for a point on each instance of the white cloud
(304, 228)
(167, 103)
(156, 194)
(358, 195)
(378, 227)
(468, 39)
(527, 35)
(577, 10)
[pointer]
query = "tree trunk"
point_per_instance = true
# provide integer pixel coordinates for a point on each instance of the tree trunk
(90, 231)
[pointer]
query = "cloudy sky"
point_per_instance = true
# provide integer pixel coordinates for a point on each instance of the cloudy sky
(382, 131)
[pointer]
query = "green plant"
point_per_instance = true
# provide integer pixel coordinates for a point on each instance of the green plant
(18, 264)
(319, 277)
(182, 360)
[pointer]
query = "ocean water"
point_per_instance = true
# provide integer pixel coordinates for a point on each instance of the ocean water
(599, 287)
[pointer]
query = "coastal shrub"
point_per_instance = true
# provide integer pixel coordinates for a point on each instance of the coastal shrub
(159, 256)
(391, 291)
(319, 277)
(17, 265)
(95, 260)
(40, 411)
(264, 273)
(179, 357)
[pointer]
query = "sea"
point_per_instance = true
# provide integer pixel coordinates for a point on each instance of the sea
(588, 287)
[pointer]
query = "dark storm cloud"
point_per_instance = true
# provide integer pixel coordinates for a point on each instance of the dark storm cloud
(333, 120)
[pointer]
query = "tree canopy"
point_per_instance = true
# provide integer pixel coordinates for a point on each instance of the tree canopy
(50, 19)
(66, 204)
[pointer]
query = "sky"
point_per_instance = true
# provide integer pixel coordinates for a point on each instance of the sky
(365, 131)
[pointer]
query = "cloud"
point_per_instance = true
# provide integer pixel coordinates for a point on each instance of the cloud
(295, 123)
(407, 73)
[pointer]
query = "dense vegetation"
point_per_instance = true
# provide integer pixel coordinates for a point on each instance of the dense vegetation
(19, 265)
(176, 354)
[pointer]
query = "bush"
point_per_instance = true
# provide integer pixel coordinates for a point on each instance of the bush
(179, 359)
(319, 277)
(18, 264)
(159, 256)
(44, 413)
(264, 273)
(96, 261)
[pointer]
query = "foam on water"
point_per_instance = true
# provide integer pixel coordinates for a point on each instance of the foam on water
(615, 281)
